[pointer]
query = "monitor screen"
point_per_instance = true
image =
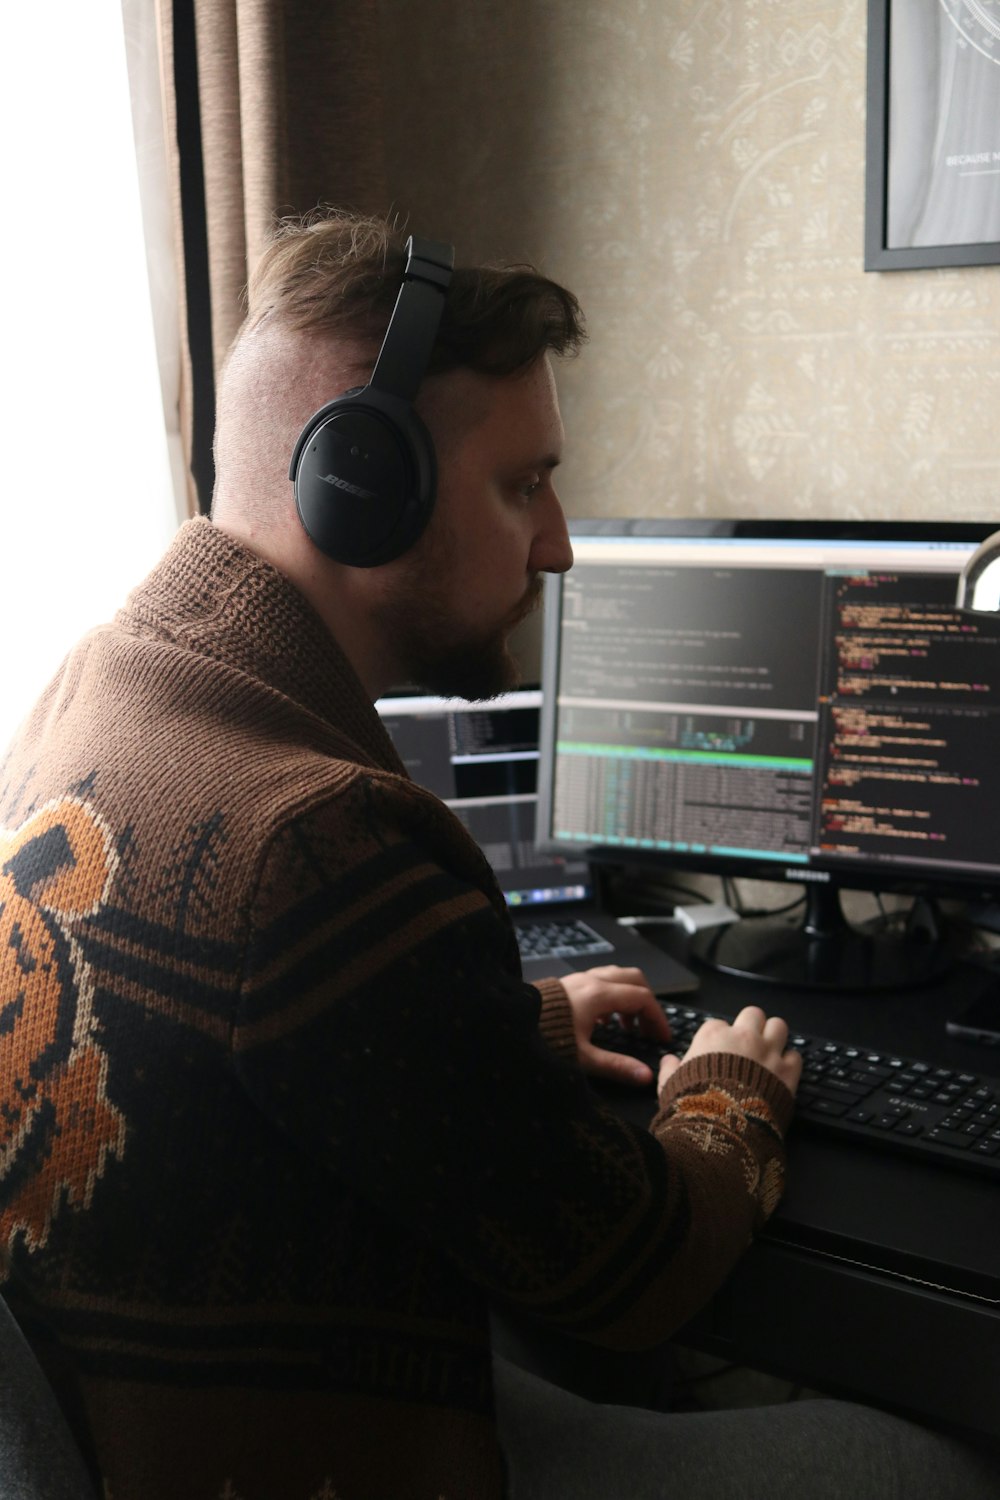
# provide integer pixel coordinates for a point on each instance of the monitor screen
(482, 760)
(792, 701)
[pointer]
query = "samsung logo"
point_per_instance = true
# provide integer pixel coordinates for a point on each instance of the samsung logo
(821, 876)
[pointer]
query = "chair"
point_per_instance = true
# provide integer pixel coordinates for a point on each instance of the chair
(39, 1459)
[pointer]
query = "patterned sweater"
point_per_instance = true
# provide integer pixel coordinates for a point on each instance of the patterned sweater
(280, 1118)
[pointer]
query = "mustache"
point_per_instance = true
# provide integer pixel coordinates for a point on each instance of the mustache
(531, 600)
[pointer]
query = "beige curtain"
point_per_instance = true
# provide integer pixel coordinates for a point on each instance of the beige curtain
(271, 107)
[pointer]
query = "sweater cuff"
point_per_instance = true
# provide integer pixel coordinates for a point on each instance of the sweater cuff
(556, 1020)
(722, 1068)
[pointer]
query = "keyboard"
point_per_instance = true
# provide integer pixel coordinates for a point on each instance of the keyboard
(559, 937)
(893, 1103)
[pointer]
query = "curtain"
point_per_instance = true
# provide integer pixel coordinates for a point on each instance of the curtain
(271, 107)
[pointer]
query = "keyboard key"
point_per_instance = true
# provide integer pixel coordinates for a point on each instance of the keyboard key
(945, 1137)
(837, 1088)
(868, 1067)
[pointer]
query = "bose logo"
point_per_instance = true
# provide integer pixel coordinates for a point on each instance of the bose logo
(344, 484)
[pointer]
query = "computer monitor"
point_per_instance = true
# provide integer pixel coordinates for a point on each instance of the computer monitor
(792, 701)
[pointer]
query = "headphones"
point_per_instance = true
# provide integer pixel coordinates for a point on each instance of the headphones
(364, 469)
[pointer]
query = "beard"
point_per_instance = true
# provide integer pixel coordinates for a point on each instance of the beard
(437, 655)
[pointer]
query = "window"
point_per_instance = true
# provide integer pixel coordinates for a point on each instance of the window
(89, 499)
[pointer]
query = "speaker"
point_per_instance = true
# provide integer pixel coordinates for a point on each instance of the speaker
(364, 469)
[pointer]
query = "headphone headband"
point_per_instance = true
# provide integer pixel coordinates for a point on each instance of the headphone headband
(409, 338)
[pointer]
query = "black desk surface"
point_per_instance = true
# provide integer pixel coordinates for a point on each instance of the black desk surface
(878, 1276)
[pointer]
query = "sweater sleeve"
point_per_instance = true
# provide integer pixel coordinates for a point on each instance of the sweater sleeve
(382, 1029)
(556, 1019)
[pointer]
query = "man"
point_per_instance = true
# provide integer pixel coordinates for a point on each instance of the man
(281, 1119)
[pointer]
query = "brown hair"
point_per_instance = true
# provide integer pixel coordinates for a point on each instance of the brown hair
(339, 273)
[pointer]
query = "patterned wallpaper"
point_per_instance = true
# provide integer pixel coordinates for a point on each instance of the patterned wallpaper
(695, 172)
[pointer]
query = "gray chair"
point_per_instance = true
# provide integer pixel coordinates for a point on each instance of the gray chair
(39, 1459)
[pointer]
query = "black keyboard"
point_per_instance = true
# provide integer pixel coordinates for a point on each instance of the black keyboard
(559, 937)
(894, 1103)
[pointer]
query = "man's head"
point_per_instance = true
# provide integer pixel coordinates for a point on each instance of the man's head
(319, 302)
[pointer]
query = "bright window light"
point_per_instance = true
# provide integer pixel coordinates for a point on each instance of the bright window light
(88, 501)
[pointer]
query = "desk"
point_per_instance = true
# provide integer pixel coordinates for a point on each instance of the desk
(878, 1277)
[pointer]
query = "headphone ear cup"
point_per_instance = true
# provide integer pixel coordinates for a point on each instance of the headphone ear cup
(365, 478)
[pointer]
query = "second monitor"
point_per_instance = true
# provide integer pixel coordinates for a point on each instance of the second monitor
(793, 701)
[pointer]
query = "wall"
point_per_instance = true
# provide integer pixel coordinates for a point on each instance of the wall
(695, 172)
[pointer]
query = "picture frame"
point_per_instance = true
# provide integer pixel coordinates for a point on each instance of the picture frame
(932, 192)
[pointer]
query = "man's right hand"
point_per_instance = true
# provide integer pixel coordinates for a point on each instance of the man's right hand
(753, 1034)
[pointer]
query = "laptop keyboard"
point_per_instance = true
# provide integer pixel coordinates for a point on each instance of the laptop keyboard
(559, 937)
(893, 1103)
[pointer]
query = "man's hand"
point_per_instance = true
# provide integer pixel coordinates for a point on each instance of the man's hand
(754, 1035)
(602, 994)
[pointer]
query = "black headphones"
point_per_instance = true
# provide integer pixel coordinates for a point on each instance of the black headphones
(364, 469)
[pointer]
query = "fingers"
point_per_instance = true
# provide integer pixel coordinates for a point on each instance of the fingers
(618, 1067)
(776, 1032)
(610, 990)
(789, 1069)
(617, 974)
(752, 1018)
(755, 1035)
(638, 1006)
(669, 1064)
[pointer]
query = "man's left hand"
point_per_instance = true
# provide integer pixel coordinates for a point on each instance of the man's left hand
(611, 993)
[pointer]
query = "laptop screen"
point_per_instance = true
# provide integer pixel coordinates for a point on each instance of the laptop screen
(482, 760)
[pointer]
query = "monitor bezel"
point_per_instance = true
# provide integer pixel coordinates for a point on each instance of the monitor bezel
(913, 880)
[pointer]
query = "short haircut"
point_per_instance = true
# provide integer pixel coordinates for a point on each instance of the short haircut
(339, 273)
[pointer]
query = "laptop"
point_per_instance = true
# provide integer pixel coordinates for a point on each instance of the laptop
(482, 760)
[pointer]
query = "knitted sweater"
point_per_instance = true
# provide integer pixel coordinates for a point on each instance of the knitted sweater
(279, 1116)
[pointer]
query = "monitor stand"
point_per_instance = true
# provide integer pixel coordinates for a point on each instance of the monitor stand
(822, 950)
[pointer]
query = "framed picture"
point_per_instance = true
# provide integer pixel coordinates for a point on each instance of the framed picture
(932, 190)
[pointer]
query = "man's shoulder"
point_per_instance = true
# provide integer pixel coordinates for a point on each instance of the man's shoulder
(367, 832)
